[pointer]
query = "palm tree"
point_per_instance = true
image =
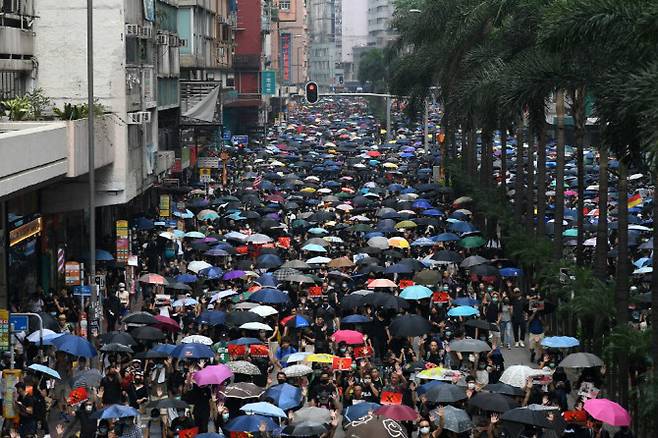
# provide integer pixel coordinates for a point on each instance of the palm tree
(559, 174)
(601, 252)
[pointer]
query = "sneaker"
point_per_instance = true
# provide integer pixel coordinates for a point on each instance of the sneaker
(522, 344)
(509, 346)
(516, 344)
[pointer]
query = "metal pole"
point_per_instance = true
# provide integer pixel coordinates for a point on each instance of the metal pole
(92, 176)
(425, 127)
(388, 118)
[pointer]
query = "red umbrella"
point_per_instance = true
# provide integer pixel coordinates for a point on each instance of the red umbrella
(348, 336)
(398, 412)
(153, 279)
(167, 324)
(374, 154)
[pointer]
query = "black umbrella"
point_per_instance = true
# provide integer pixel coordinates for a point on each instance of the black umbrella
(482, 325)
(151, 355)
(116, 348)
(535, 415)
(410, 325)
(447, 256)
(484, 270)
(427, 277)
(445, 393)
(178, 286)
(469, 345)
(504, 388)
(352, 300)
(116, 337)
(140, 318)
(492, 402)
(236, 319)
(167, 403)
(148, 333)
(305, 428)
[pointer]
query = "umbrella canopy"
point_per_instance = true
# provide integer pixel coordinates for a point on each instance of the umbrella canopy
(116, 411)
(505, 389)
(382, 283)
(312, 414)
(454, 419)
(243, 367)
(264, 408)
(608, 412)
(45, 370)
(74, 345)
(123, 338)
(305, 428)
(167, 403)
(492, 402)
(416, 292)
(192, 351)
(354, 412)
(351, 337)
(410, 325)
(530, 416)
(153, 279)
(297, 370)
(469, 345)
(147, 333)
(213, 375)
(374, 426)
(88, 379)
(463, 311)
(517, 375)
(269, 296)
(116, 348)
(397, 412)
(284, 395)
(242, 390)
(445, 393)
(560, 342)
(249, 423)
(471, 261)
(140, 318)
(581, 360)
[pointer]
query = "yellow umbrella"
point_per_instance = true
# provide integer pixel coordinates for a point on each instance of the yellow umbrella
(405, 224)
(321, 358)
(398, 242)
(390, 165)
(308, 190)
(437, 373)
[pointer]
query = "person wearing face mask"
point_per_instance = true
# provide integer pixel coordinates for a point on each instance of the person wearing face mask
(111, 386)
(83, 418)
(182, 422)
(425, 428)
(281, 378)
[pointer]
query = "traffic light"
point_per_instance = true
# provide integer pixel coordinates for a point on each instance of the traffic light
(311, 92)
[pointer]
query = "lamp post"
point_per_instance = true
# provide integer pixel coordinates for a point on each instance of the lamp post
(92, 174)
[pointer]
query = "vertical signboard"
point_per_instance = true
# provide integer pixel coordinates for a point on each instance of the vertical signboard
(4, 330)
(165, 206)
(268, 82)
(72, 274)
(123, 243)
(286, 50)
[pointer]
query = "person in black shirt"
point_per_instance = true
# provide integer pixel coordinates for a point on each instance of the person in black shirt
(24, 405)
(199, 397)
(319, 335)
(83, 416)
(111, 386)
(182, 422)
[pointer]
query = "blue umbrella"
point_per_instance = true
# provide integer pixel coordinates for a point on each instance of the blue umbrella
(212, 317)
(422, 389)
(212, 273)
(354, 412)
(164, 348)
(432, 212)
(463, 311)
(264, 408)
(284, 395)
(267, 280)
(44, 369)
(245, 341)
(74, 345)
(446, 237)
(268, 261)
(462, 227)
(186, 278)
(313, 248)
(269, 296)
(423, 241)
(355, 319)
(511, 272)
(416, 292)
(421, 204)
(192, 351)
(560, 342)
(187, 214)
(116, 411)
(103, 256)
(195, 235)
(298, 321)
(142, 223)
(187, 301)
(249, 423)
(465, 301)
(216, 252)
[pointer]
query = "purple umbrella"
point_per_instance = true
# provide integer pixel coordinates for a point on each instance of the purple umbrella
(232, 275)
(213, 375)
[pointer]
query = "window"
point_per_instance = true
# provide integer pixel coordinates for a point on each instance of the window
(284, 5)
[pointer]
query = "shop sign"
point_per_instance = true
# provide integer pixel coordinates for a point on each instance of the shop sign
(4, 330)
(165, 206)
(10, 378)
(123, 244)
(17, 235)
(268, 82)
(72, 274)
(208, 162)
(204, 175)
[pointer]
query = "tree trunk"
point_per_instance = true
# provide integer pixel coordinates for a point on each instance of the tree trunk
(530, 191)
(601, 251)
(472, 154)
(519, 177)
(621, 290)
(503, 159)
(541, 175)
(559, 175)
(486, 166)
(578, 99)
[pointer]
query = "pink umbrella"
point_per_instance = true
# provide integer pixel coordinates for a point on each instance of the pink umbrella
(167, 324)
(570, 193)
(213, 375)
(608, 412)
(382, 282)
(348, 336)
(398, 412)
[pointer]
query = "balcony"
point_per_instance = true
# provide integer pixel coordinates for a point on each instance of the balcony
(246, 62)
(15, 41)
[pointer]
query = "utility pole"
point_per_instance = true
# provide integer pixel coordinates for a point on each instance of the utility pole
(92, 174)
(425, 127)
(388, 118)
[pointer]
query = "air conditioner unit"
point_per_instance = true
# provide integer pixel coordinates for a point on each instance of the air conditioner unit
(173, 40)
(163, 39)
(182, 42)
(146, 32)
(135, 118)
(146, 116)
(132, 30)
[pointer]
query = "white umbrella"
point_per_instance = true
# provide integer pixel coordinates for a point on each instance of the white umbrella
(517, 375)
(222, 294)
(197, 339)
(259, 239)
(378, 242)
(197, 265)
(590, 242)
(264, 311)
(255, 326)
(643, 270)
(318, 260)
(167, 235)
(35, 336)
(638, 227)
(297, 370)
(635, 176)
(296, 357)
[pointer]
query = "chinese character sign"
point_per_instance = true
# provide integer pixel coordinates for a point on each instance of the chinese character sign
(268, 82)
(285, 56)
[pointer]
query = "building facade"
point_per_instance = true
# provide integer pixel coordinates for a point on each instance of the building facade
(323, 53)
(291, 45)
(380, 13)
(354, 34)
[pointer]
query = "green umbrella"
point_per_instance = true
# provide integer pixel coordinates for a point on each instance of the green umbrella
(405, 224)
(472, 242)
(571, 232)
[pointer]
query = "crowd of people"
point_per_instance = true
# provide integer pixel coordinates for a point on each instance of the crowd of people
(332, 287)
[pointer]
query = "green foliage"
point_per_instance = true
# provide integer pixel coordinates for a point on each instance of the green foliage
(628, 342)
(38, 103)
(17, 109)
(76, 112)
(372, 69)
